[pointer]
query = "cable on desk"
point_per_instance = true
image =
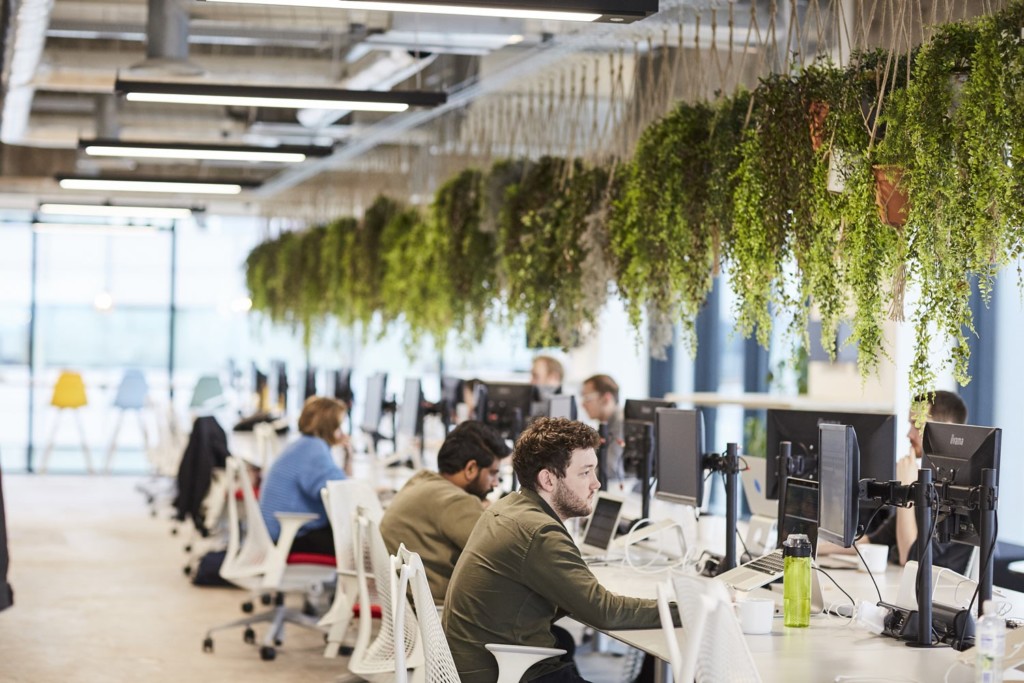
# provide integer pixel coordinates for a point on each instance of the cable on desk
(870, 574)
(836, 584)
(646, 568)
(867, 524)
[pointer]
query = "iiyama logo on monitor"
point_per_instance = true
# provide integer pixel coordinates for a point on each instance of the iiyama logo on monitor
(955, 440)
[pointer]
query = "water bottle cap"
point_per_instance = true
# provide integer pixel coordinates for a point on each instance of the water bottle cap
(796, 545)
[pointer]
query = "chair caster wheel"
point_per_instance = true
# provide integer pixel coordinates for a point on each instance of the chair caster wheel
(345, 650)
(186, 570)
(174, 532)
(267, 653)
(278, 642)
(208, 645)
(247, 607)
(249, 636)
(188, 548)
(266, 598)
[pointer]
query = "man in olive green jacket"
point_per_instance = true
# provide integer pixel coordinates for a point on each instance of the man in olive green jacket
(435, 512)
(521, 570)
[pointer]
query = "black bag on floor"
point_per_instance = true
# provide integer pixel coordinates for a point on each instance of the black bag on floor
(207, 572)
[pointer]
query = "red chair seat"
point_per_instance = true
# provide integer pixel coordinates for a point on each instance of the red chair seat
(312, 558)
(375, 611)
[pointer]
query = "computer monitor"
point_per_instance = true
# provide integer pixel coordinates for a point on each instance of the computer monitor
(957, 454)
(343, 385)
(309, 386)
(838, 484)
(507, 407)
(451, 396)
(876, 435)
(562, 406)
(410, 416)
(679, 456)
(373, 406)
(260, 389)
(281, 388)
(800, 511)
(638, 432)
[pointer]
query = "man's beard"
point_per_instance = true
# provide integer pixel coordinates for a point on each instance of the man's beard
(476, 488)
(567, 504)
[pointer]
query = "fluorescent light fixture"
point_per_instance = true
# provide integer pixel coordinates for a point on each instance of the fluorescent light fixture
(178, 150)
(97, 228)
(275, 96)
(128, 184)
(558, 10)
(108, 211)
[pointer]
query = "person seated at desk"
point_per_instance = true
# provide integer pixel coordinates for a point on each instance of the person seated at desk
(546, 374)
(303, 468)
(600, 398)
(521, 571)
(899, 531)
(435, 512)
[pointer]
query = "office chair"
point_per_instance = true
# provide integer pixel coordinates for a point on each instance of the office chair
(710, 648)
(376, 661)
(68, 394)
(258, 564)
(342, 499)
(131, 395)
(513, 660)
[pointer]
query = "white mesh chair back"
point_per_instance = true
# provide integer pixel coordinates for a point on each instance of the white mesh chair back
(265, 437)
(375, 660)
(341, 499)
(246, 554)
(439, 665)
(722, 655)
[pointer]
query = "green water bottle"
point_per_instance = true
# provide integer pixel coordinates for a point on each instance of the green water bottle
(796, 581)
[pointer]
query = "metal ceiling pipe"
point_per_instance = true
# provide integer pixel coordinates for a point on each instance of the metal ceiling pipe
(167, 39)
(108, 125)
(28, 30)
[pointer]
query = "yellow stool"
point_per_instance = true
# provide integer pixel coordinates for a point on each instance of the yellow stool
(68, 394)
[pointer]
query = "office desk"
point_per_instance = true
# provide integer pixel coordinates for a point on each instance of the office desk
(831, 650)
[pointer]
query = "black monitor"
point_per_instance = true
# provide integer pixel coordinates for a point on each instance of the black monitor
(507, 407)
(260, 388)
(343, 386)
(282, 385)
(838, 484)
(800, 511)
(309, 386)
(562, 406)
(679, 456)
(638, 432)
(373, 406)
(451, 396)
(876, 435)
(410, 416)
(957, 454)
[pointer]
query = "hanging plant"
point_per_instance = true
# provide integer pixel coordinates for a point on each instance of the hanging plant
(338, 254)
(663, 244)
(470, 254)
(417, 289)
(365, 264)
(540, 230)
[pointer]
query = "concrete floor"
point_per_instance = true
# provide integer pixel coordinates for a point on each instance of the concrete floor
(100, 597)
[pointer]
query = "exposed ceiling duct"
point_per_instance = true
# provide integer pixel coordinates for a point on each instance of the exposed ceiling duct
(29, 36)
(167, 40)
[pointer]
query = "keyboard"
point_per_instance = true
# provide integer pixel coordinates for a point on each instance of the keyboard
(772, 563)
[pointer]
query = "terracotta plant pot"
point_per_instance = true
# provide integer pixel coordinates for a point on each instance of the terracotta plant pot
(817, 111)
(891, 195)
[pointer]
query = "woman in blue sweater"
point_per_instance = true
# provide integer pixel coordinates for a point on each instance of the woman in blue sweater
(303, 468)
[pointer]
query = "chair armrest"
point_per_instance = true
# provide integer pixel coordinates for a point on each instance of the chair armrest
(277, 559)
(514, 660)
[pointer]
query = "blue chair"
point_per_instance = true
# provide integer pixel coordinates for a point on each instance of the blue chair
(208, 394)
(131, 395)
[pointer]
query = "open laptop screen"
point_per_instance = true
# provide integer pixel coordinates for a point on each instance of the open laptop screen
(603, 523)
(800, 511)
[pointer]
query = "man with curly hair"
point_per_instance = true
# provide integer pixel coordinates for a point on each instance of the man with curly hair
(521, 571)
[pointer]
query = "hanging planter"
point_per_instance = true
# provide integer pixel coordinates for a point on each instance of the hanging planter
(891, 195)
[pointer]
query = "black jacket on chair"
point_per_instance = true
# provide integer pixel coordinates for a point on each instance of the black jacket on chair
(6, 594)
(207, 449)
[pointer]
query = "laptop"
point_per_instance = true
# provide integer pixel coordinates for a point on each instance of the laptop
(799, 516)
(601, 526)
(762, 528)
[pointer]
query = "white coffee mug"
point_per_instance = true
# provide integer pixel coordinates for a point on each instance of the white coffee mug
(875, 555)
(755, 615)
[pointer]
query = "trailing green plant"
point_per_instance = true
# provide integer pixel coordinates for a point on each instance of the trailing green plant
(664, 245)
(470, 253)
(365, 264)
(540, 228)
(417, 287)
(338, 253)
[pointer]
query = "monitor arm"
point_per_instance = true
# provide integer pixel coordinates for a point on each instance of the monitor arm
(729, 466)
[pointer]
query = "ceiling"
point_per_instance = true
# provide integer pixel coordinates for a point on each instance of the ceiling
(514, 87)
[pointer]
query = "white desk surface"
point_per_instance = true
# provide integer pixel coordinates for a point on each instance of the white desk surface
(831, 650)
